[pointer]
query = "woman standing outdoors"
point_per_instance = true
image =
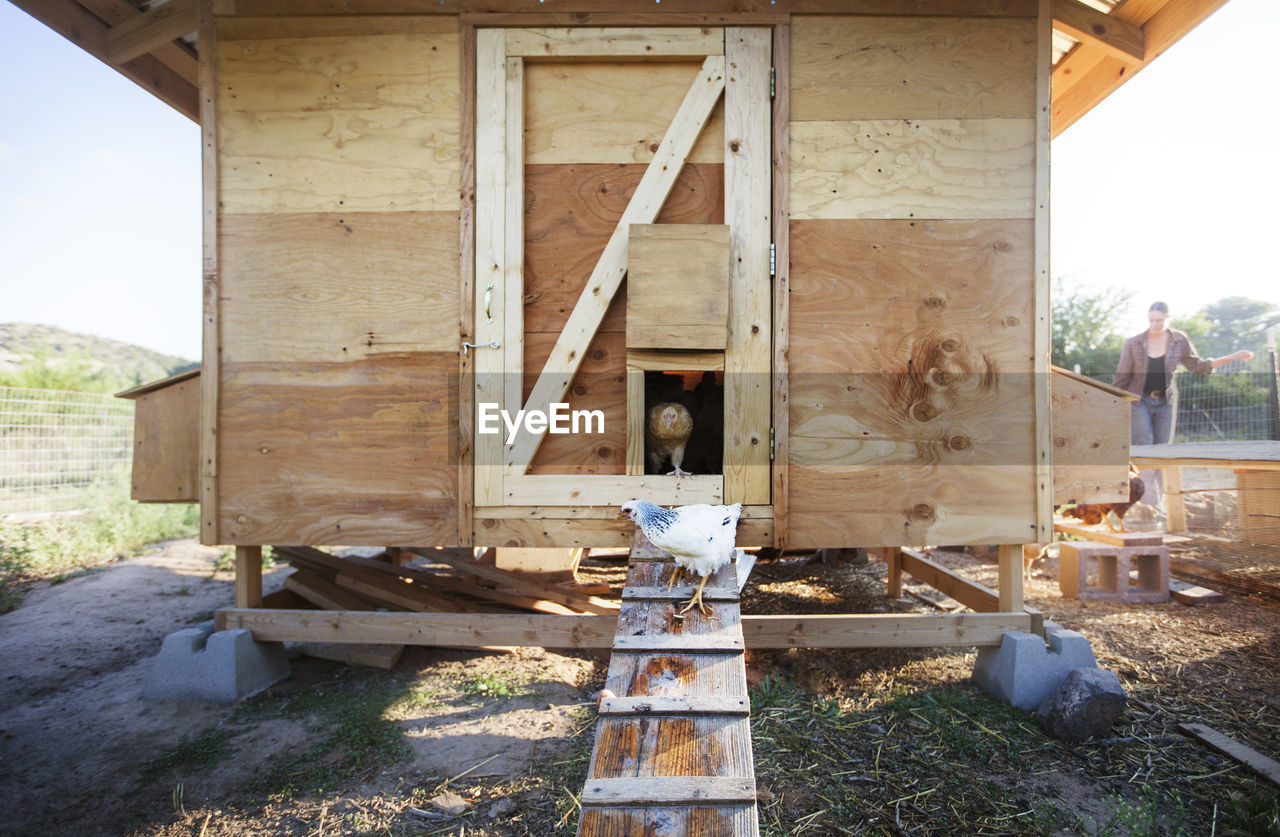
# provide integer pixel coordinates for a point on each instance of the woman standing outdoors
(1147, 363)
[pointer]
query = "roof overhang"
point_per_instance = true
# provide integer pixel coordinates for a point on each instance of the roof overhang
(1098, 44)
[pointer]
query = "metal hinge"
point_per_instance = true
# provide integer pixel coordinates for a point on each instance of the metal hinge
(773, 82)
(772, 448)
(773, 259)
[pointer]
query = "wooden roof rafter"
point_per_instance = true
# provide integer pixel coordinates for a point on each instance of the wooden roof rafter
(113, 31)
(1113, 47)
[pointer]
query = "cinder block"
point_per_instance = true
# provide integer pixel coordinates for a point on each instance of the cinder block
(224, 667)
(1103, 572)
(1021, 671)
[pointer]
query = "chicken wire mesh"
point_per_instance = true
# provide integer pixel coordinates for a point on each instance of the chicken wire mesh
(57, 448)
(1236, 402)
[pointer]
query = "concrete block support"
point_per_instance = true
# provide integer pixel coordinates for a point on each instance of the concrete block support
(226, 666)
(1099, 571)
(1023, 672)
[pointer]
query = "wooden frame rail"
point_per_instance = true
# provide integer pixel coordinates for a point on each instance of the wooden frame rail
(483, 630)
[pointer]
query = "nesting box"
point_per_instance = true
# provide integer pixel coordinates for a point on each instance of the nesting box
(166, 439)
(678, 286)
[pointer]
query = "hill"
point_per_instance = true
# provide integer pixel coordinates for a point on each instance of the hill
(42, 355)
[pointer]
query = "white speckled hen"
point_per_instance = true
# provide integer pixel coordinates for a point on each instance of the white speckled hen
(700, 537)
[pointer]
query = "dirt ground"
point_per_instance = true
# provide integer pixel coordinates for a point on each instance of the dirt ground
(477, 743)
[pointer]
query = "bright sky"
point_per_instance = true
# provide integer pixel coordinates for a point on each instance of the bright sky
(1168, 188)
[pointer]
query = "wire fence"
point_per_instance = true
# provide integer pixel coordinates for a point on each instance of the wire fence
(1236, 402)
(57, 448)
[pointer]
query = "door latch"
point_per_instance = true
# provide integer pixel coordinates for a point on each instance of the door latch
(490, 345)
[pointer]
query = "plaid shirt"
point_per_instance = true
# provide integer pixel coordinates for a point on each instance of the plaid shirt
(1131, 374)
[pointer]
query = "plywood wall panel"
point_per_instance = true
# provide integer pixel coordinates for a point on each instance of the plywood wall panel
(354, 114)
(359, 452)
(858, 68)
(609, 112)
(599, 385)
(910, 379)
(570, 212)
(1090, 443)
(902, 505)
(333, 287)
(869, 296)
(913, 168)
(166, 444)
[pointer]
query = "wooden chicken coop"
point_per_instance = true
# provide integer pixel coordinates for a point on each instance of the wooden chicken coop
(438, 235)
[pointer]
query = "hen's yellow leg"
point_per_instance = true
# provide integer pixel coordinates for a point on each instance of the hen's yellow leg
(697, 599)
(676, 575)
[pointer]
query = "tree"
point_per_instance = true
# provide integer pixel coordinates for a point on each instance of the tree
(1236, 322)
(1085, 331)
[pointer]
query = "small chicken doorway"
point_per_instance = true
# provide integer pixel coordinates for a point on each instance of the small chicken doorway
(589, 142)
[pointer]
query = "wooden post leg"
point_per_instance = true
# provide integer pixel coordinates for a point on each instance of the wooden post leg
(1011, 590)
(894, 556)
(1174, 508)
(248, 576)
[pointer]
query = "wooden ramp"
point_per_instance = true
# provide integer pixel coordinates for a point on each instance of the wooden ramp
(673, 743)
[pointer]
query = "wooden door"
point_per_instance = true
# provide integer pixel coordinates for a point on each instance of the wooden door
(566, 150)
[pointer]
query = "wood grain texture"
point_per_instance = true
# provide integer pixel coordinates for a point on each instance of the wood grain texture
(598, 385)
(355, 114)
(691, 758)
(913, 168)
(609, 112)
(901, 505)
(332, 453)
(491, 251)
(782, 278)
(1090, 443)
(623, 12)
(655, 43)
(166, 445)
(210, 332)
(867, 296)
(860, 68)
(678, 286)
(588, 312)
(748, 213)
(553, 531)
(570, 213)
(337, 287)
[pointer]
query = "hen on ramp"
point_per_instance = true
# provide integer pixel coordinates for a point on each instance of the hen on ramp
(700, 537)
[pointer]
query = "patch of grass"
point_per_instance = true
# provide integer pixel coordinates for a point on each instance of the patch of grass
(59, 547)
(502, 685)
(352, 733)
(907, 765)
(1256, 814)
(188, 756)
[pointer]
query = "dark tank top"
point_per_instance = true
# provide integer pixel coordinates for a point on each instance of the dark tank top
(1157, 380)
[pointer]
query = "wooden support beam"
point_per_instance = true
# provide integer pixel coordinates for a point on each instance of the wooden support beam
(748, 195)
(893, 584)
(663, 44)
(479, 630)
(460, 561)
(248, 576)
(322, 592)
(1118, 38)
(1011, 579)
(969, 593)
(142, 34)
(781, 280)
(1175, 505)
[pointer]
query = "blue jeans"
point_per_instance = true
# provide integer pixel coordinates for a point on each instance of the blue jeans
(1151, 423)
